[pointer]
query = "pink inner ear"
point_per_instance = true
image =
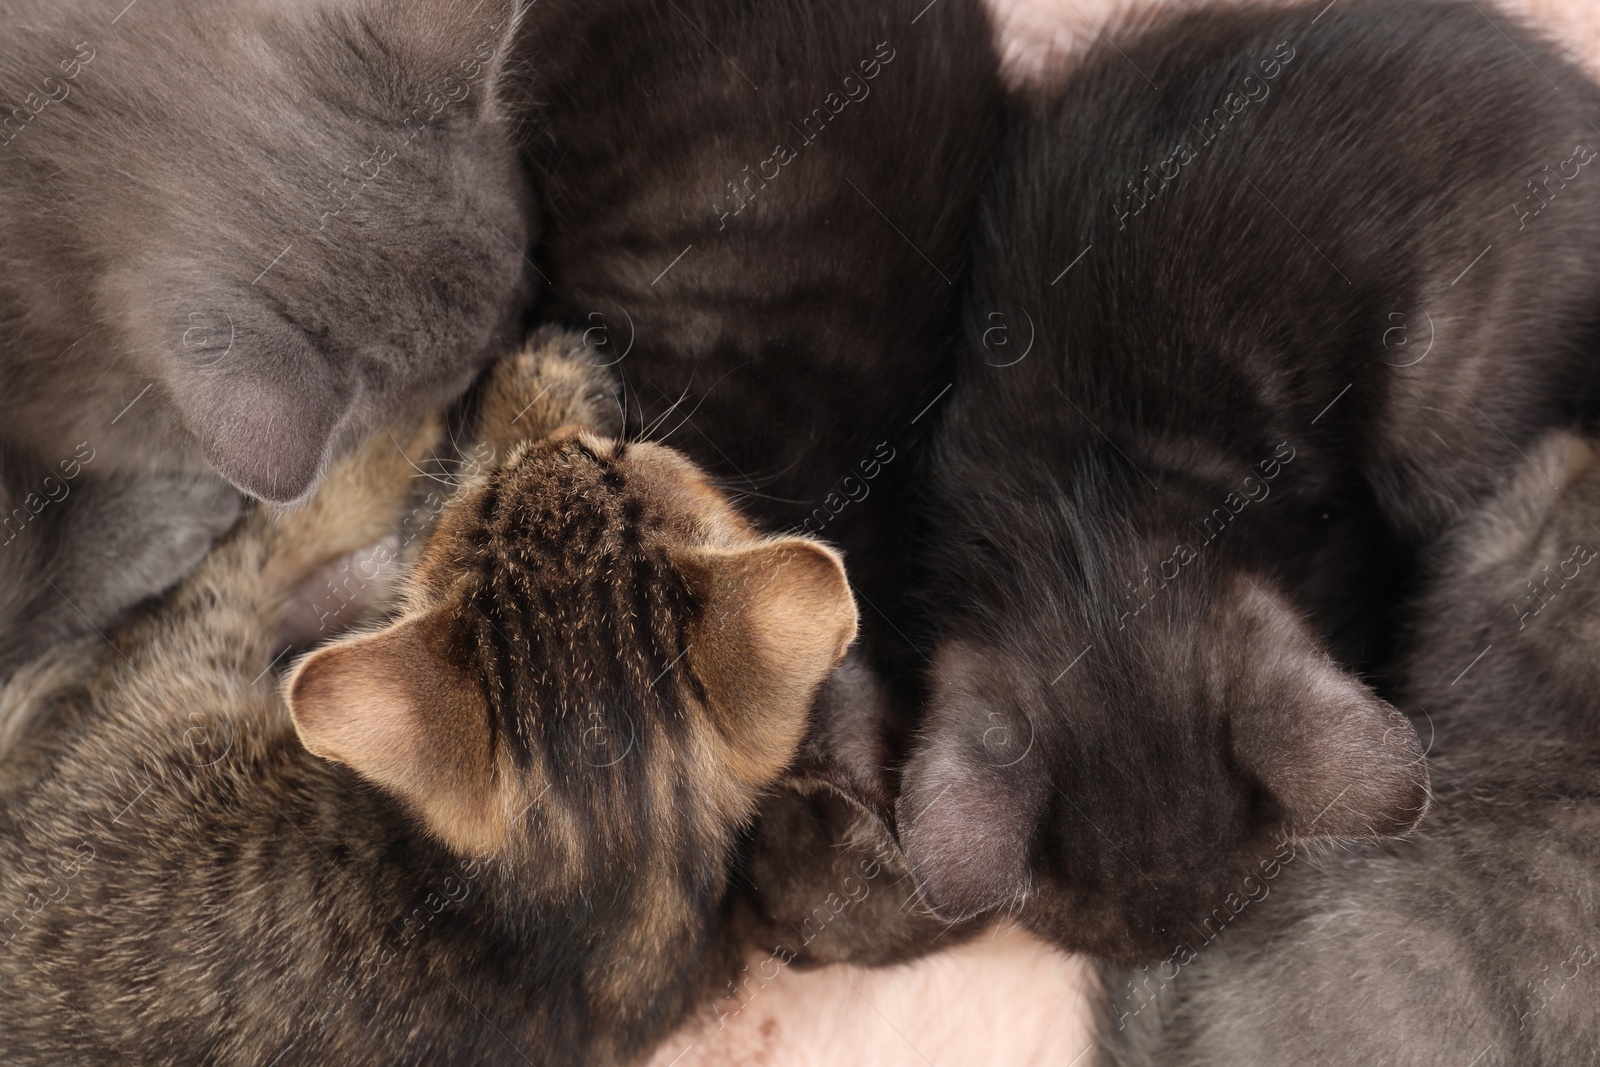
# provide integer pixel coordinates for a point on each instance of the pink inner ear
(390, 707)
(348, 705)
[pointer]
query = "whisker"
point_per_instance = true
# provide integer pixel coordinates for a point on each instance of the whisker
(732, 491)
(664, 437)
(730, 371)
(434, 477)
(655, 423)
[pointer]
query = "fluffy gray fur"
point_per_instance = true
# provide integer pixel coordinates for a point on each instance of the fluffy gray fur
(1475, 941)
(236, 238)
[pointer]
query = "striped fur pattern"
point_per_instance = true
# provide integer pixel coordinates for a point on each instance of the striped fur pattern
(764, 221)
(515, 851)
(733, 220)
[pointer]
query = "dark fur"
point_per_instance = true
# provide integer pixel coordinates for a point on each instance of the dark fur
(793, 348)
(1476, 940)
(797, 339)
(184, 882)
(823, 878)
(1117, 732)
(227, 250)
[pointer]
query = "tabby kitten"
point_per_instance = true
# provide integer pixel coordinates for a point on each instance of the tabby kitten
(1286, 329)
(1474, 942)
(495, 831)
(235, 241)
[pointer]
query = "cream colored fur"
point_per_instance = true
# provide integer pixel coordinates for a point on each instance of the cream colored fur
(1003, 1000)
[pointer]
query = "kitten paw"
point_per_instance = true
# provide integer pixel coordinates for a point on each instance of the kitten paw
(553, 381)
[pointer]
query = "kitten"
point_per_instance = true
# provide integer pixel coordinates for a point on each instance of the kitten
(763, 221)
(763, 225)
(1284, 328)
(496, 829)
(236, 240)
(1475, 941)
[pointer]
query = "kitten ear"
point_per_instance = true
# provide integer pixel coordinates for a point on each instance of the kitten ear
(394, 709)
(1340, 761)
(264, 404)
(776, 619)
(973, 794)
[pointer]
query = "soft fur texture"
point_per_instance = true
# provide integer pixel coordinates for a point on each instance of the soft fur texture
(235, 241)
(547, 758)
(1475, 941)
(1204, 477)
(842, 1015)
(734, 225)
(760, 213)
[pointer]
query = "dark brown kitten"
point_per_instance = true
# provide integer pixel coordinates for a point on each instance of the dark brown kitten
(761, 213)
(763, 220)
(514, 850)
(1167, 533)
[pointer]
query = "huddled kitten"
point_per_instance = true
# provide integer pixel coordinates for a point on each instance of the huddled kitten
(760, 214)
(236, 240)
(1270, 332)
(1474, 941)
(496, 829)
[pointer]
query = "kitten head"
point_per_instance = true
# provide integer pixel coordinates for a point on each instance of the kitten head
(326, 223)
(600, 656)
(1125, 798)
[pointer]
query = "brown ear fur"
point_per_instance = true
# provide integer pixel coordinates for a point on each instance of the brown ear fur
(778, 618)
(392, 708)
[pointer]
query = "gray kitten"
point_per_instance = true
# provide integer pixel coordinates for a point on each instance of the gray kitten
(1474, 942)
(235, 239)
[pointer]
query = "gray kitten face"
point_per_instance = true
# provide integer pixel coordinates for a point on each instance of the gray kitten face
(331, 236)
